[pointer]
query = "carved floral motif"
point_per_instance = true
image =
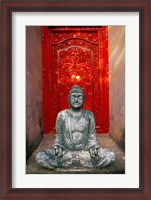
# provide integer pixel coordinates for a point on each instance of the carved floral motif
(75, 62)
(75, 57)
(88, 37)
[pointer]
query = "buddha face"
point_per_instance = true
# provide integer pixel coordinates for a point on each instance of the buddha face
(76, 100)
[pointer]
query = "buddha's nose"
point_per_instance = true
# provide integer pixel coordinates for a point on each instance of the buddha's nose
(76, 99)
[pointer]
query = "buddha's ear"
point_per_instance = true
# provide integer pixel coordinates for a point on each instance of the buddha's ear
(83, 96)
(68, 99)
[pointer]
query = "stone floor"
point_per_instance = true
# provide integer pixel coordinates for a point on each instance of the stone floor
(105, 141)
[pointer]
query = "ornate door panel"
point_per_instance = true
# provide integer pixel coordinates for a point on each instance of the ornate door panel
(75, 56)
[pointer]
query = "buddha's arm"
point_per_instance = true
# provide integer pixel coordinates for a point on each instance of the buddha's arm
(92, 140)
(59, 140)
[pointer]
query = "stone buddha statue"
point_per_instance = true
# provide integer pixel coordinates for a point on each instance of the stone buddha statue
(76, 144)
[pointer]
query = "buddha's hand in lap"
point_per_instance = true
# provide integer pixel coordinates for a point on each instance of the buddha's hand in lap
(57, 151)
(93, 151)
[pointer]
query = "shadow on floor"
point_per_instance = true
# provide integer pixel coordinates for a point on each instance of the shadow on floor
(105, 141)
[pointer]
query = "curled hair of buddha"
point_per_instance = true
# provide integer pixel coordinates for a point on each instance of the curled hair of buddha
(76, 88)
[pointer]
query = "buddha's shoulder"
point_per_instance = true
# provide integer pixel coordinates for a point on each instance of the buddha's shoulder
(67, 113)
(63, 113)
(88, 113)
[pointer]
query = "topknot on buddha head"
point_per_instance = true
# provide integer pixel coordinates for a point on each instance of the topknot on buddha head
(76, 89)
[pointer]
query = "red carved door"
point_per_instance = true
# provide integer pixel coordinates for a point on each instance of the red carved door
(75, 55)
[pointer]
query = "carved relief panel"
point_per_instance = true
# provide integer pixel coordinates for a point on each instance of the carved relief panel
(75, 56)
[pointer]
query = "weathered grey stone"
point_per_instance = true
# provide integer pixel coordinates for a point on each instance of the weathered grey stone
(105, 140)
(76, 145)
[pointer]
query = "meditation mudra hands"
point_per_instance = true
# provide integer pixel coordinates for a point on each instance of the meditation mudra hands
(93, 151)
(57, 151)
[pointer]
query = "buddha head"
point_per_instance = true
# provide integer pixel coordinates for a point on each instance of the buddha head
(76, 97)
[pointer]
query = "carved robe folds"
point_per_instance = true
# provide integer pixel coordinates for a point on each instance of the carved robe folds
(75, 135)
